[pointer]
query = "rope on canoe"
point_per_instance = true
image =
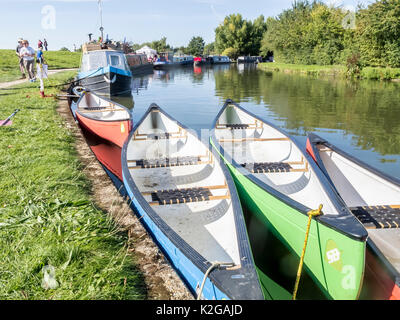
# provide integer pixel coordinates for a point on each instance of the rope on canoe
(214, 265)
(311, 214)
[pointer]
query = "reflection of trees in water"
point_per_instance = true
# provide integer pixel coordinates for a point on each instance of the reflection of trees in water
(368, 109)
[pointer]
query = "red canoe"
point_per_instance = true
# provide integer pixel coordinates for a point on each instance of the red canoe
(104, 118)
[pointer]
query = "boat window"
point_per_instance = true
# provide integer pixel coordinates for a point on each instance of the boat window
(114, 60)
(93, 60)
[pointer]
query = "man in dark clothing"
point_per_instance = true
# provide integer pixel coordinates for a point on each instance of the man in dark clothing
(21, 60)
(45, 44)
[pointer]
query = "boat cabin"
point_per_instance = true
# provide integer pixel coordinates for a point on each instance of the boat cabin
(93, 60)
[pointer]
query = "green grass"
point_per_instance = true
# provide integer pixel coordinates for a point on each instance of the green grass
(9, 65)
(47, 217)
(371, 73)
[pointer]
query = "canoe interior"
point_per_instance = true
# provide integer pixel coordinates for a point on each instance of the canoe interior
(371, 194)
(97, 108)
(197, 205)
(271, 157)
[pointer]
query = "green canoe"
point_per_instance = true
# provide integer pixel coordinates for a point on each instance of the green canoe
(279, 184)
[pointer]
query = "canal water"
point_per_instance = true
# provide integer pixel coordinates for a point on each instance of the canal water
(360, 117)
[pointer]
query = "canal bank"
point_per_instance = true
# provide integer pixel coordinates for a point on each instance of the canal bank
(65, 232)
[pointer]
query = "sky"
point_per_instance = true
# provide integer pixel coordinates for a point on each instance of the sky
(65, 23)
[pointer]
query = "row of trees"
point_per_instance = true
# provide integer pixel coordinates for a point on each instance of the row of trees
(195, 47)
(314, 33)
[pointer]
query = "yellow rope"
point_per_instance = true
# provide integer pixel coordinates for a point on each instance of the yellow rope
(311, 214)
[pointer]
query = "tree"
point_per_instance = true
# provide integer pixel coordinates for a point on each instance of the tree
(242, 35)
(378, 33)
(209, 49)
(232, 53)
(196, 46)
(234, 32)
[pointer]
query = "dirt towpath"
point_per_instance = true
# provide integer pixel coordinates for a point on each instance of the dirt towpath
(4, 85)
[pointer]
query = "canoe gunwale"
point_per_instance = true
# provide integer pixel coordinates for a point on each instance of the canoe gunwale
(350, 227)
(108, 100)
(315, 140)
(221, 278)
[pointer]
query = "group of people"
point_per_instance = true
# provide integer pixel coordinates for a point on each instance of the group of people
(27, 57)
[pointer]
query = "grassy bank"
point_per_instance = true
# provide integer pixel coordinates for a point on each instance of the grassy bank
(314, 70)
(47, 217)
(9, 65)
(371, 73)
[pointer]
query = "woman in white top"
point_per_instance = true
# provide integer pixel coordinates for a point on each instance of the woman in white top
(28, 55)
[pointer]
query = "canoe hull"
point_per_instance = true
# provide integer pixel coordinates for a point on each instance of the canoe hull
(382, 280)
(114, 131)
(340, 280)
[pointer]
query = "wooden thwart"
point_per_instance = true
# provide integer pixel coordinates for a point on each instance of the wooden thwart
(82, 110)
(253, 139)
(155, 203)
(275, 167)
(224, 186)
(170, 162)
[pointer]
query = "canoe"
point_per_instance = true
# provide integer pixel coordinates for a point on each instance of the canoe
(279, 184)
(107, 119)
(374, 198)
(107, 153)
(187, 201)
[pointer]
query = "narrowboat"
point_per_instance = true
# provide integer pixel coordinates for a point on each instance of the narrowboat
(105, 72)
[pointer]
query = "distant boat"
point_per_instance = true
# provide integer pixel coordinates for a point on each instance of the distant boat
(220, 59)
(183, 60)
(105, 71)
(164, 60)
(104, 118)
(139, 64)
(187, 200)
(374, 198)
(197, 61)
(279, 185)
(249, 59)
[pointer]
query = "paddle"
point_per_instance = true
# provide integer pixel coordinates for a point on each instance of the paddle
(7, 121)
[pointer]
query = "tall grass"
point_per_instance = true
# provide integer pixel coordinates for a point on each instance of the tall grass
(47, 217)
(371, 73)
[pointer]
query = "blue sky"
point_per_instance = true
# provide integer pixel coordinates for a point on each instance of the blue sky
(67, 22)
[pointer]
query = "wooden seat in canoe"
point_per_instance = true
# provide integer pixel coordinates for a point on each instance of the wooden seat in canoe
(186, 195)
(168, 162)
(378, 217)
(271, 167)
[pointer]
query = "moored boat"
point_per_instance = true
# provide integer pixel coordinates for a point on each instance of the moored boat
(220, 60)
(105, 72)
(374, 198)
(279, 185)
(106, 119)
(139, 64)
(188, 202)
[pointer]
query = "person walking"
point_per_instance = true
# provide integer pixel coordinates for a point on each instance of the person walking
(40, 44)
(45, 44)
(28, 55)
(21, 60)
